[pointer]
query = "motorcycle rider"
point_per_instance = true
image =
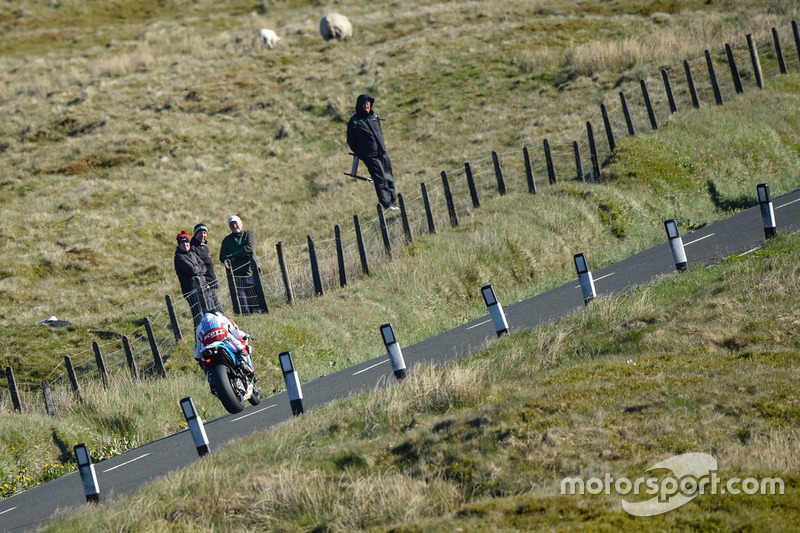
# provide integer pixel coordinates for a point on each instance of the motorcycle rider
(215, 329)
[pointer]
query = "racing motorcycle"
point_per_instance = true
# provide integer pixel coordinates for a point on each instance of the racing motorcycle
(230, 375)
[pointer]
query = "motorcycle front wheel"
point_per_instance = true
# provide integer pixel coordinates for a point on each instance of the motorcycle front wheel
(221, 379)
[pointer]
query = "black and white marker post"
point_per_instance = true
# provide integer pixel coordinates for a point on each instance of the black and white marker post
(767, 212)
(394, 352)
(196, 426)
(676, 243)
(495, 310)
(292, 380)
(585, 277)
(88, 476)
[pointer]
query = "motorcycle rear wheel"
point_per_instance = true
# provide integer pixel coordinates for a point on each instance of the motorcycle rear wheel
(221, 378)
(255, 399)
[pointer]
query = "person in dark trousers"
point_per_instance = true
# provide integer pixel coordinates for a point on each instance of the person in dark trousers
(188, 266)
(365, 138)
(237, 247)
(209, 279)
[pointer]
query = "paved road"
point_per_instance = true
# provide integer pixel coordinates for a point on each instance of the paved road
(126, 473)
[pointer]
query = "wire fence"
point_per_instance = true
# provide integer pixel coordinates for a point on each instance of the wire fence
(434, 206)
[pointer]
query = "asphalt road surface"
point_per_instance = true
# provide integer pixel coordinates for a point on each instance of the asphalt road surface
(741, 234)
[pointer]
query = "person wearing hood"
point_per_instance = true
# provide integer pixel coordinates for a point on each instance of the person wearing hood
(189, 266)
(209, 279)
(365, 138)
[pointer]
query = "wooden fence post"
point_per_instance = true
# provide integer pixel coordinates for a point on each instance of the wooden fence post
(287, 282)
(340, 256)
(528, 170)
(473, 191)
(737, 82)
(778, 52)
(404, 218)
(262, 300)
(200, 295)
(498, 172)
(428, 213)
(101, 364)
(626, 112)
(12, 387)
(362, 252)
(551, 171)
(690, 83)
(173, 319)
(667, 87)
(650, 113)
(154, 348)
(607, 123)
(312, 256)
(756, 62)
(578, 164)
(796, 38)
(76, 389)
(593, 152)
(126, 345)
(451, 207)
(387, 245)
(713, 76)
(48, 399)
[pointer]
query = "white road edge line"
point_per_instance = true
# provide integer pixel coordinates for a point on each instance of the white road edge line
(125, 463)
(482, 323)
(698, 240)
(787, 203)
(255, 412)
(369, 367)
(749, 251)
(7, 510)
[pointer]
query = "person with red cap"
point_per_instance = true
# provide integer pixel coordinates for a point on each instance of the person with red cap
(188, 266)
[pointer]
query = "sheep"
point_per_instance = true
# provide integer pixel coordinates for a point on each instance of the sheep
(268, 38)
(335, 26)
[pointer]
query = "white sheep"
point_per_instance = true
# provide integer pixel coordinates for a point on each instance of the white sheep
(268, 38)
(335, 26)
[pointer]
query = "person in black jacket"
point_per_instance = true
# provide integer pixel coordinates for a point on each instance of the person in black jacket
(365, 138)
(209, 279)
(188, 266)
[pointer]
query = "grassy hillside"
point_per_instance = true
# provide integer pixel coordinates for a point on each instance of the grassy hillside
(704, 362)
(122, 134)
(130, 121)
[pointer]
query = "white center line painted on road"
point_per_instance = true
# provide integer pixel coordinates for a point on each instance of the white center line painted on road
(370, 367)
(598, 279)
(482, 323)
(787, 203)
(698, 240)
(125, 463)
(255, 412)
(7, 510)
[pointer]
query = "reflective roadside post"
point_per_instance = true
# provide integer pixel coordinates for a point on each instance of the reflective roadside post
(767, 212)
(196, 426)
(88, 475)
(292, 380)
(676, 243)
(495, 310)
(585, 277)
(394, 352)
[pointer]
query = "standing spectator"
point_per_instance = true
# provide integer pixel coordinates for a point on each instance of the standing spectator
(208, 280)
(238, 247)
(365, 138)
(188, 266)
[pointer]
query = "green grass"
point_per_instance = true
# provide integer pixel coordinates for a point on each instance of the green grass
(701, 362)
